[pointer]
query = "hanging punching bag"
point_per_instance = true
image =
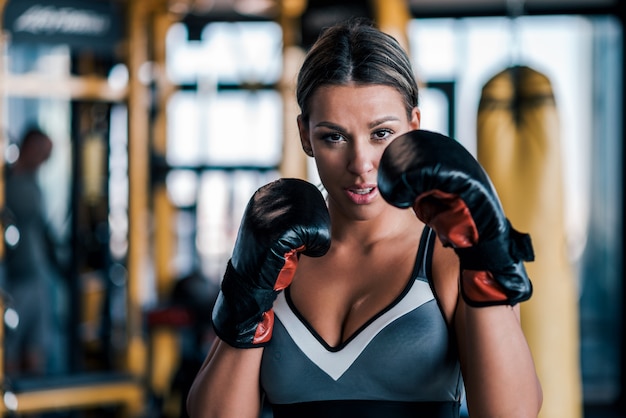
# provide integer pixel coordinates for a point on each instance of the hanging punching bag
(518, 143)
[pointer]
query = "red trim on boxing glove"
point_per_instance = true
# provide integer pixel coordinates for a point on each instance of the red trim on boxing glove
(263, 333)
(479, 288)
(289, 268)
(447, 214)
(264, 328)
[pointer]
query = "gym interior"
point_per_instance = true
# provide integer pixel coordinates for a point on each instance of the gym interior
(166, 115)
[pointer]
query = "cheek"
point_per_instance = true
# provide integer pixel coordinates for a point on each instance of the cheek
(380, 151)
(325, 166)
(329, 165)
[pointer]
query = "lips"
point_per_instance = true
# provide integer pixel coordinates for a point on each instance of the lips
(362, 194)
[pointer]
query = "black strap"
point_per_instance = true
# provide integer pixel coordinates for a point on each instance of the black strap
(499, 253)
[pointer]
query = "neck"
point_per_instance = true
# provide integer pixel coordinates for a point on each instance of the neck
(387, 226)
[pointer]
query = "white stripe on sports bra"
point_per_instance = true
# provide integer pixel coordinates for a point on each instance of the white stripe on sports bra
(335, 363)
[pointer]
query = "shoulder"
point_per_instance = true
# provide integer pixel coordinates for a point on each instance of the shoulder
(445, 278)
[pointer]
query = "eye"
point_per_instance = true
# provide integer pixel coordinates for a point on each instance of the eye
(382, 134)
(333, 137)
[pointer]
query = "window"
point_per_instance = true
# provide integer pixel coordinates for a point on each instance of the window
(224, 133)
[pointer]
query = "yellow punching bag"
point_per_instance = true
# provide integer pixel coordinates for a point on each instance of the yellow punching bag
(518, 144)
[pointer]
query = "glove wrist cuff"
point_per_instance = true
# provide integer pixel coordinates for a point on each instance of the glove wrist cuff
(499, 253)
(243, 316)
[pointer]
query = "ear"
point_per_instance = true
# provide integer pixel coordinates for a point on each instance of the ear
(305, 140)
(416, 116)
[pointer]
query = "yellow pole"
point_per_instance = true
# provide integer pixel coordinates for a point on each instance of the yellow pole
(392, 17)
(164, 344)
(138, 173)
(165, 237)
(293, 162)
(519, 146)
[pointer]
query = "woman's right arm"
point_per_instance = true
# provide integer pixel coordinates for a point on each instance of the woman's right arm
(227, 384)
(282, 219)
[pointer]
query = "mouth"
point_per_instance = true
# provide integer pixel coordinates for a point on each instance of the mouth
(361, 191)
(362, 195)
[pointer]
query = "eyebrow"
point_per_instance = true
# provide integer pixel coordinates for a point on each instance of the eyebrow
(329, 125)
(372, 124)
(382, 120)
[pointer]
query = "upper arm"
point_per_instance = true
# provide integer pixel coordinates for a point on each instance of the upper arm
(496, 362)
(445, 278)
(227, 383)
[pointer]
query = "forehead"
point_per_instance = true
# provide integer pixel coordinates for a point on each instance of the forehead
(336, 100)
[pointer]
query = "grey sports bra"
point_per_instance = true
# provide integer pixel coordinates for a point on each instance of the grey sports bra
(402, 362)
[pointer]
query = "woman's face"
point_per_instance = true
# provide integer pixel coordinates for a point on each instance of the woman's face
(348, 129)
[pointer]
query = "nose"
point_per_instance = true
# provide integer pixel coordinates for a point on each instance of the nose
(363, 157)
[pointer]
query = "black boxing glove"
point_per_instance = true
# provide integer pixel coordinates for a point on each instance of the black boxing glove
(450, 192)
(282, 219)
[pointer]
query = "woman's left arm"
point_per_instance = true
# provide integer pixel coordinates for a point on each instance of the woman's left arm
(498, 368)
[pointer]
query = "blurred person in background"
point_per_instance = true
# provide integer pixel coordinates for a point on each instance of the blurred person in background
(31, 262)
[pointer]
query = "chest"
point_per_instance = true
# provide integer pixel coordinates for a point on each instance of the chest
(403, 354)
(339, 293)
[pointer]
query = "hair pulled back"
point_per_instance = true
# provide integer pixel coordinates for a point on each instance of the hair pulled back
(357, 52)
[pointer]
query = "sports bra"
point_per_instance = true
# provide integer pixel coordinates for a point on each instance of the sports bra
(402, 363)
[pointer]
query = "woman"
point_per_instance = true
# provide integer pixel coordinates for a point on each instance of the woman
(367, 328)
